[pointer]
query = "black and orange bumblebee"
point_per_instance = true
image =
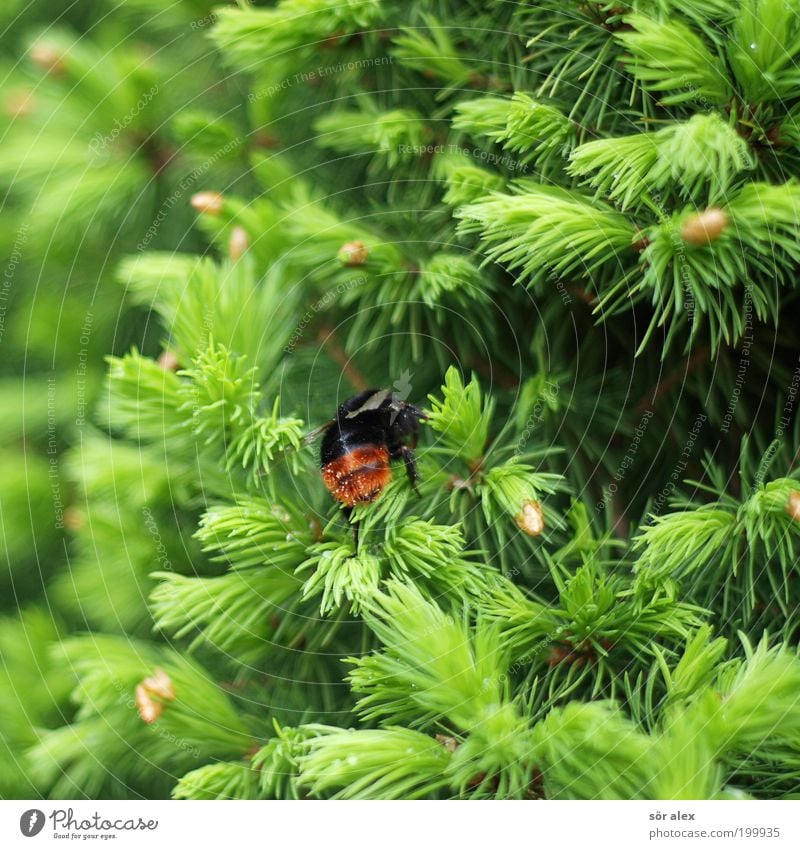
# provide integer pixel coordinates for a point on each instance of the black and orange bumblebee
(369, 432)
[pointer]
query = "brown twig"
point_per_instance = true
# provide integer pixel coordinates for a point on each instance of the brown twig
(674, 377)
(328, 338)
(504, 377)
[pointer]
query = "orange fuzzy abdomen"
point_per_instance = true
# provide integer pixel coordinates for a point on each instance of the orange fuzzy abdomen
(358, 476)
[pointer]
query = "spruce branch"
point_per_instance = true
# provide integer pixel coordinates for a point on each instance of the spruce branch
(249, 609)
(430, 50)
(200, 301)
(433, 667)
(199, 722)
(338, 575)
(218, 781)
(535, 130)
(681, 542)
(277, 763)
(393, 137)
(254, 532)
(699, 664)
(598, 624)
(435, 557)
(475, 473)
(702, 156)
(592, 751)
(462, 417)
(144, 399)
(238, 614)
(384, 763)
(693, 260)
(763, 50)
(520, 491)
(759, 704)
(441, 671)
(541, 231)
(670, 58)
(214, 404)
(739, 547)
(587, 72)
(465, 181)
(251, 37)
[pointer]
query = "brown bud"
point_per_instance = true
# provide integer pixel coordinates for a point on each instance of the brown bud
(267, 140)
(151, 695)
(457, 482)
(334, 39)
(531, 519)
(74, 519)
(557, 655)
(238, 243)
(208, 202)
(19, 103)
(450, 743)
(168, 361)
(149, 709)
(47, 56)
(793, 505)
(353, 253)
(704, 227)
(160, 684)
(576, 656)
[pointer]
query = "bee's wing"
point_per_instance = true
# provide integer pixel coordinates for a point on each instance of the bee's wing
(317, 432)
(372, 403)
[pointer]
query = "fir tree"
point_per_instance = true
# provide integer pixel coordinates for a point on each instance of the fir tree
(568, 231)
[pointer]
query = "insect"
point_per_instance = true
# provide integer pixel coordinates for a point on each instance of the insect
(358, 446)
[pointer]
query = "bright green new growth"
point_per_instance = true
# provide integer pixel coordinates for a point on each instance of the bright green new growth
(534, 130)
(702, 156)
(572, 234)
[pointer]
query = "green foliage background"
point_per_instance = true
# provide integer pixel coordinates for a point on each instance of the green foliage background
(569, 230)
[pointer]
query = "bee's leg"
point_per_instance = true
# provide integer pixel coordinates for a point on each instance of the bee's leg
(406, 454)
(354, 525)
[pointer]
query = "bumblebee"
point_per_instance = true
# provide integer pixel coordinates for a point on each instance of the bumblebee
(370, 431)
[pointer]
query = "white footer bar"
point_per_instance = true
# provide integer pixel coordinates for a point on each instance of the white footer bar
(405, 825)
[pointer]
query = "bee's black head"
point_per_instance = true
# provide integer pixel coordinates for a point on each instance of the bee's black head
(404, 418)
(384, 408)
